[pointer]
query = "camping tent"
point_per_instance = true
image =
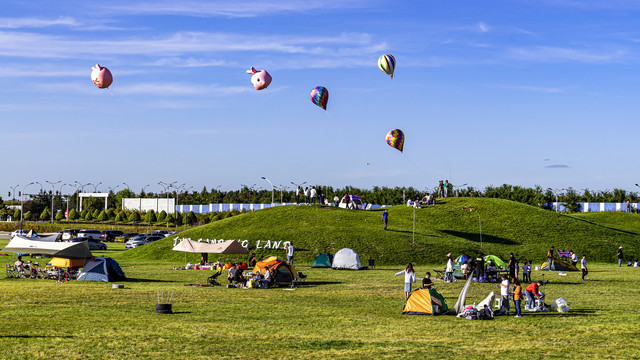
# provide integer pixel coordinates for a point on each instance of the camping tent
(346, 259)
(425, 302)
(102, 269)
(24, 245)
(462, 259)
(457, 265)
(227, 247)
(497, 262)
(558, 265)
(283, 273)
(322, 261)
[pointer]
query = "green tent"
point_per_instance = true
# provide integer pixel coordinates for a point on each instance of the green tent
(322, 261)
(497, 262)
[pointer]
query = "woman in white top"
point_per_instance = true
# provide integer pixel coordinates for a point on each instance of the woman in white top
(448, 272)
(409, 277)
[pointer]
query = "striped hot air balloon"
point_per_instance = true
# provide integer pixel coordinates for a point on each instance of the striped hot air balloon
(387, 63)
(320, 96)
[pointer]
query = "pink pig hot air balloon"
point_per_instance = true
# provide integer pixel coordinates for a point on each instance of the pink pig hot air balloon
(101, 76)
(260, 79)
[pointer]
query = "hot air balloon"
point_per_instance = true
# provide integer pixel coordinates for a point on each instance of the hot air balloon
(387, 63)
(395, 139)
(320, 96)
(260, 79)
(101, 76)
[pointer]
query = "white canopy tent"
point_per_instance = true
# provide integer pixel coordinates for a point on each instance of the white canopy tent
(24, 245)
(227, 247)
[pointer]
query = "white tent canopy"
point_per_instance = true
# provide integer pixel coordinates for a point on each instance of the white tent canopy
(23, 245)
(227, 247)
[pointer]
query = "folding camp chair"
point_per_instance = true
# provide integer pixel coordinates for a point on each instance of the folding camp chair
(11, 271)
(212, 279)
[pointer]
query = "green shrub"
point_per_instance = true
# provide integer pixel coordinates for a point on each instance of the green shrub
(103, 216)
(95, 214)
(60, 215)
(162, 215)
(150, 217)
(73, 215)
(16, 214)
(170, 219)
(83, 214)
(189, 218)
(134, 216)
(111, 214)
(122, 216)
(45, 215)
(28, 215)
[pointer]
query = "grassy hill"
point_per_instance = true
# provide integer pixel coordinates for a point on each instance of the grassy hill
(451, 226)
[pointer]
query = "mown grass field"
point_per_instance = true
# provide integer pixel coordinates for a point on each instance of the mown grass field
(336, 314)
(339, 314)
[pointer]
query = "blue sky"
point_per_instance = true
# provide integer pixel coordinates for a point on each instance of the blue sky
(491, 92)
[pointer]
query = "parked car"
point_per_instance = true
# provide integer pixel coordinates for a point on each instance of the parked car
(135, 241)
(89, 233)
(69, 234)
(93, 244)
(22, 232)
(164, 233)
(110, 235)
(125, 237)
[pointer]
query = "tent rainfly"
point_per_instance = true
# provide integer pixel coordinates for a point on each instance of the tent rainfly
(227, 247)
(23, 245)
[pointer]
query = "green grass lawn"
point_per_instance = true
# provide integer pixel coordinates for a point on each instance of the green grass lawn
(339, 314)
(336, 314)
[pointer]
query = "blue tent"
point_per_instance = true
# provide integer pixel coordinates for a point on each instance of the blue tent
(322, 261)
(102, 269)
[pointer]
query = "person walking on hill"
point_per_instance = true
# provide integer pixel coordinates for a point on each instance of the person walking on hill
(306, 195)
(550, 257)
(385, 218)
(619, 256)
(440, 188)
(446, 188)
(583, 267)
(297, 195)
(409, 277)
(313, 193)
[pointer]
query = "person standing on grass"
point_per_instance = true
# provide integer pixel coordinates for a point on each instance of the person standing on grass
(409, 277)
(619, 256)
(504, 294)
(290, 253)
(297, 195)
(512, 266)
(517, 296)
(385, 218)
(448, 271)
(550, 257)
(426, 282)
(446, 188)
(306, 195)
(583, 267)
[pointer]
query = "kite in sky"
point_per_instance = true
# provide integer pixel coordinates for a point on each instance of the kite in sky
(101, 76)
(260, 79)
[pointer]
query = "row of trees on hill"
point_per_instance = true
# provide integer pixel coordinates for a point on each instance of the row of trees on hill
(39, 205)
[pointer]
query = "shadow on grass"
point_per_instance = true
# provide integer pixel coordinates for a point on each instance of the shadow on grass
(317, 283)
(135, 280)
(604, 226)
(411, 232)
(475, 237)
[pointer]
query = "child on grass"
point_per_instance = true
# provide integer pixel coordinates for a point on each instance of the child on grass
(409, 277)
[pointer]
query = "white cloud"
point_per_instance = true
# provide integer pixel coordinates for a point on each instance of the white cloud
(483, 27)
(41, 71)
(33, 45)
(533, 88)
(225, 8)
(16, 23)
(170, 89)
(550, 54)
(189, 62)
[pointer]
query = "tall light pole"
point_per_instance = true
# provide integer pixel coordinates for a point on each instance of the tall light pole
(13, 188)
(95, 187)
(67, 216)
(282, 187)
(556, 193)
(22, 204)
(144, 187)
(53, 185)
(264, 178)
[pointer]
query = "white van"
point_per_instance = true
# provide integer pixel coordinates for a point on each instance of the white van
(354, 203)
(89, 233)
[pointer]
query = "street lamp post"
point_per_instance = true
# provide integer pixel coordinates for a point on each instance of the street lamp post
(22, 204)
(67, 213)
(95, 187)
(53, 185)
(458, 188)
(555, 191)
(264, 178)
(282, 187)
(13, 193)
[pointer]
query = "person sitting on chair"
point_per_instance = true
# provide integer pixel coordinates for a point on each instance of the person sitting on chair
(267, 279)
(239, 277)
(19, 264)
(252, 260)
(232, 274)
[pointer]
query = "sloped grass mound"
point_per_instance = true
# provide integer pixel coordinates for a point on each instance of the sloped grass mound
(451, 226)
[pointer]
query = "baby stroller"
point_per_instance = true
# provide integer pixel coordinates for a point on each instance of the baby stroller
(212, 279)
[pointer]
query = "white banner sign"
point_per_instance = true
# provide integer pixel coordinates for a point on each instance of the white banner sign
(258, 244)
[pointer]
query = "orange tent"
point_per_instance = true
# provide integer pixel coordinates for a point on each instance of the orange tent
(425, 302)
(283, 273)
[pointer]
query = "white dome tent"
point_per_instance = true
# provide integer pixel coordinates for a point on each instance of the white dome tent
(346, 259)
